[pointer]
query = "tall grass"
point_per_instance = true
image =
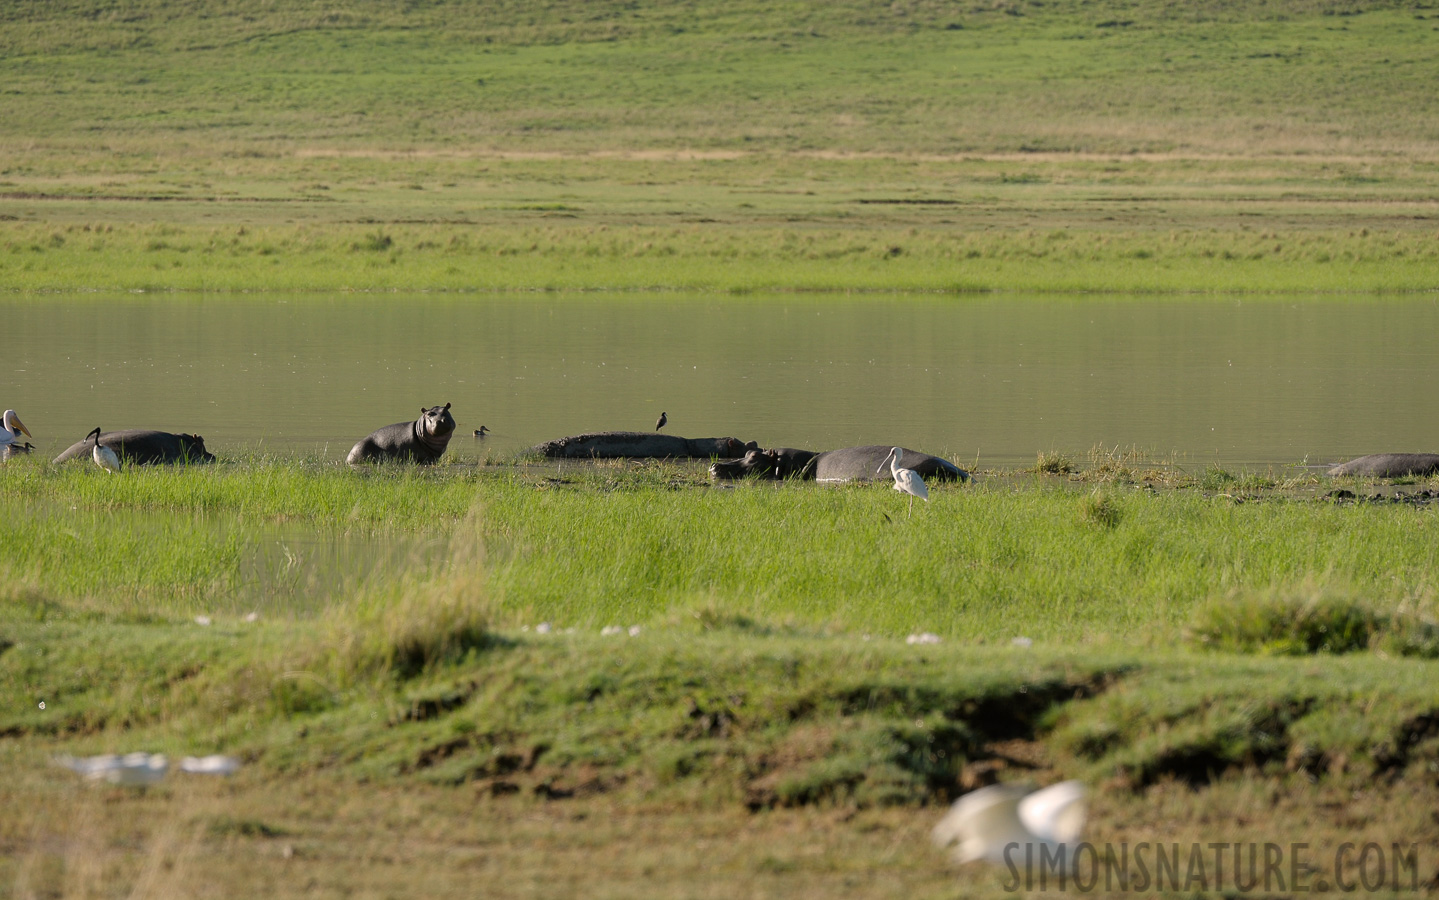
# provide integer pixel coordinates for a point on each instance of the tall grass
(608, 546)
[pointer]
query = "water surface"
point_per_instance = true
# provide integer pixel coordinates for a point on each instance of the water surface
(1241, 383)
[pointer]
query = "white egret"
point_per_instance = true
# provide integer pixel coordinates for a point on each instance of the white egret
(11, 428)
(906, 481)
(1000, 823)
(105, 458)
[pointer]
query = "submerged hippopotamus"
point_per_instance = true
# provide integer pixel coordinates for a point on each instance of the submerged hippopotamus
(847, 464)
(640, 445)
(143, 447)
(422, 441)
(1389, 465)
(777, 463)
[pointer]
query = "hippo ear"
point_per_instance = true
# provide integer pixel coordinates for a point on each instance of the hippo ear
(447, 406)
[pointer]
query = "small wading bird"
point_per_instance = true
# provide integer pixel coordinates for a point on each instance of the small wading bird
(1004, 822)
(105, 458)
(905, 480)
(11, 428)
(660, 423)
(481, 431)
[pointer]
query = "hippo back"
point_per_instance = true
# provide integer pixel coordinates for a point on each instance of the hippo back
(144, 446)
(1389, 465)
(640, 445)
(864, 464)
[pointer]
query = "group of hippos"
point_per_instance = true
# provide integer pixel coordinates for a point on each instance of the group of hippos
(425, 440)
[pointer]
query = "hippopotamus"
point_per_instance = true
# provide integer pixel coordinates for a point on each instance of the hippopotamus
(847, 464)
(640, 445)
(422, 441)
(1389, 465)
(144, 446)
(777, 463)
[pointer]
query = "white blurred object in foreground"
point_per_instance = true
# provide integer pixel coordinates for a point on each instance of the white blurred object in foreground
(983, 823)
(210, 765)
(131, 769)
(144, 768)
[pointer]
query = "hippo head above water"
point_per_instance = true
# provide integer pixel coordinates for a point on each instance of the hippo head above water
(192, 448)
(435, 423)
(778, 462)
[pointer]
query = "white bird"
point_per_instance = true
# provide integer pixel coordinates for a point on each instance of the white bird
(132, 769)
(11, 428)
(105, 458)
(906, 481)
(999, 823)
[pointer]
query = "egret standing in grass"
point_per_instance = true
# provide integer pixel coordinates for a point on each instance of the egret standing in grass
(660, 423)
(11, 428)
(906, 481)
(105, 458)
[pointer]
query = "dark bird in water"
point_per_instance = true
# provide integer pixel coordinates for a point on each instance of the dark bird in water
(9, 450)
(661, 423)
(480, 432)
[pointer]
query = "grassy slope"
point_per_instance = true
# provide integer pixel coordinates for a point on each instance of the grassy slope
(1053, 147)
(674, 733)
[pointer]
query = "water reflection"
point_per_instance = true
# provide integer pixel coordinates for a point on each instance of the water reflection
(1237, 382)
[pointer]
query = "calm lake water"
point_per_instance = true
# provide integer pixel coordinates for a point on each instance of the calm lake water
(1241, 383)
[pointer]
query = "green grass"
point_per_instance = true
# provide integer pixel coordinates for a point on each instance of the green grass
(1017, 147)
(688, 728)
(615, 547)
(769, 676)
(735, 258)
(858, 77)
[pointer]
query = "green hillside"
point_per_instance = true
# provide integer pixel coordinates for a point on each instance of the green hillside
(1171, 147)
(853, 77)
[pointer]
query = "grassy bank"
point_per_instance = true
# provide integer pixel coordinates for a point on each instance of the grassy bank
(610, 545)
(775, 763)
(710, 258)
